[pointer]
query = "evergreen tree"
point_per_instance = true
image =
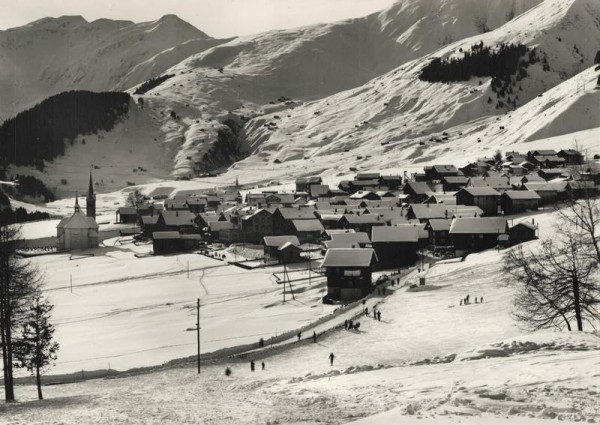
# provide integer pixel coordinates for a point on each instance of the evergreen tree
(35, 350)
(597, 58)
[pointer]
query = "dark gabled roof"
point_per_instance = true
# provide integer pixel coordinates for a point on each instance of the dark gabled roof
(215, 226)
(419, 188)
(493, 182)
(277, 241)
(480, 191)
(309, 180)
(426, 211)
(445, 169)
(178, 218)
(479, 225)
(365, 182)
(349, 257)
(546, 186)
(363, 218)
(127, 211)
(394, 234)
(358, 237)
(455, 179)
(570, 152)
(313, 225)
(542, 152)
(149, 219)
(303, 213)
(367, 176)
(522, 194)
(208, 217)
(166, 235)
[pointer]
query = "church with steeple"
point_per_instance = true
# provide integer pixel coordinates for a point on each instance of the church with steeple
(79, 231)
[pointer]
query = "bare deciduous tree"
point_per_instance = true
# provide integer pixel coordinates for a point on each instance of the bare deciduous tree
(555, 284)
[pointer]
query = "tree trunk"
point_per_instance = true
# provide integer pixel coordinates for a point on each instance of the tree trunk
(39, 382)
(577, 302)
(5, 334)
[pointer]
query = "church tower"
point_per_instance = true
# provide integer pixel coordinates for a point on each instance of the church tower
(90, 200)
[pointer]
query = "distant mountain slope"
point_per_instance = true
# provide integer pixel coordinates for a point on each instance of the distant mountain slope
(398, 109)
(57, 54)
(252, 75)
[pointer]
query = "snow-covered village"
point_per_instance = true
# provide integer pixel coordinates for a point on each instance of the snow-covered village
(300, 212)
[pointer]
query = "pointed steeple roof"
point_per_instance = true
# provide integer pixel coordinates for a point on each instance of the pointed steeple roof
(77, 209)
(91, 186)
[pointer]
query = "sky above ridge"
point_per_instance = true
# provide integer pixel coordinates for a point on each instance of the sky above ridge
(217, 18)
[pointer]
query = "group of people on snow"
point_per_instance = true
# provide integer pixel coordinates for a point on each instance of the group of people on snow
(467, 300)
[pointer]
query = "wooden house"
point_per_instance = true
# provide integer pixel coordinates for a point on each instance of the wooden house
(571, 156)
(454, 183)
(177, 221)
(348, 272)
(395, 246)
(148, 224)
(518, 201)
(256, 225)
(522, 232)
(476, 234)
(271, 245)
(549, 192)
(303, 184)
(485, 198)
(425, 212)
(283, 217)
(307, 230)
(438, 172)
(360, 222)
(439, 232)
(417, 191)
(126, 215)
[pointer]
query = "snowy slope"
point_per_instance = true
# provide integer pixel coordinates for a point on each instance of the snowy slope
(398, 108)
(52, 55)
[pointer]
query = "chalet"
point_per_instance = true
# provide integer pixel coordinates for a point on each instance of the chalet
(330, 220)
(580, 189)
(148, 224)
(497, 183)
(360, 223)
(417, 191)
(494, 174)
(518, 201)
(548, 161)
(283, 217)
(256, 200)
(476, 234)
(169, 242)
(475, 168)
(149, 209)
(303, 184)
(439, 232)
(175, 205)
(522, 232)
(395, 246)
(272, 244)
(224, 231)
(485, 198)
(348, 272)
(463, 211)
(319, 190)
(425, 212)
(307, 230)
(202, 220)
(196, 204)
(540, 153)
(516, 170)
(554, 173)
(391, 182)
(256, 225)
(438, 172)
(360, 239)
(356, 185)
(283, 199)
(178, 221)
(549, 192)
(367, 176)
(454, 183)
(530, 178)
(527, 165)
(571, 156)
(126, 215)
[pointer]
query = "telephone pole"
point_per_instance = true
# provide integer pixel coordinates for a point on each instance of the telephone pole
(198, 331)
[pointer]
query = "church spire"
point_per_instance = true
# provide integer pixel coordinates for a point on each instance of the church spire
(77, 209)
(90, 200)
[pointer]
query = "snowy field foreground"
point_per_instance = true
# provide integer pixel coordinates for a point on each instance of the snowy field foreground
(428, 361)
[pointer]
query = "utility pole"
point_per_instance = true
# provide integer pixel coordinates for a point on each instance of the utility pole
(309, 265)
(188, 269)
(198, 331)
(71, 284)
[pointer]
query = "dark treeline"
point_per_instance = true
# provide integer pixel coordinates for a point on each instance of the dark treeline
(30, 186)
(20, 215)
(40, 133)
(227, 149)
(151, 83)
(502, 63)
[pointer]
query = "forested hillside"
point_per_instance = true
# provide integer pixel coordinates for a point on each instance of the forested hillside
(42, 132)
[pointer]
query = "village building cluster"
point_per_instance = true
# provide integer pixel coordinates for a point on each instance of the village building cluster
(374, 221)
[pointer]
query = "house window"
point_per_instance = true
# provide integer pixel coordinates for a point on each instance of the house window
(353, 273)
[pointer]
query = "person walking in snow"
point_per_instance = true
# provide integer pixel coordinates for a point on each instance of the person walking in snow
(374, 314)
(299, 335)
(251, 365)
(350, 326)
(345, 325)
(378, 315)
(331, 357)
(314, 337)
(366, 311)
(263, 365)
(467, 298)
(481, 300)
(460, 303)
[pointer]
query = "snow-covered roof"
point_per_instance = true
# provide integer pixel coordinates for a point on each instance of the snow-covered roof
(478, 225)
(349, 257)
(522, 194)
(394, 234)
(359, 237)
(312, 225)
(77, 221)
(277, 241)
